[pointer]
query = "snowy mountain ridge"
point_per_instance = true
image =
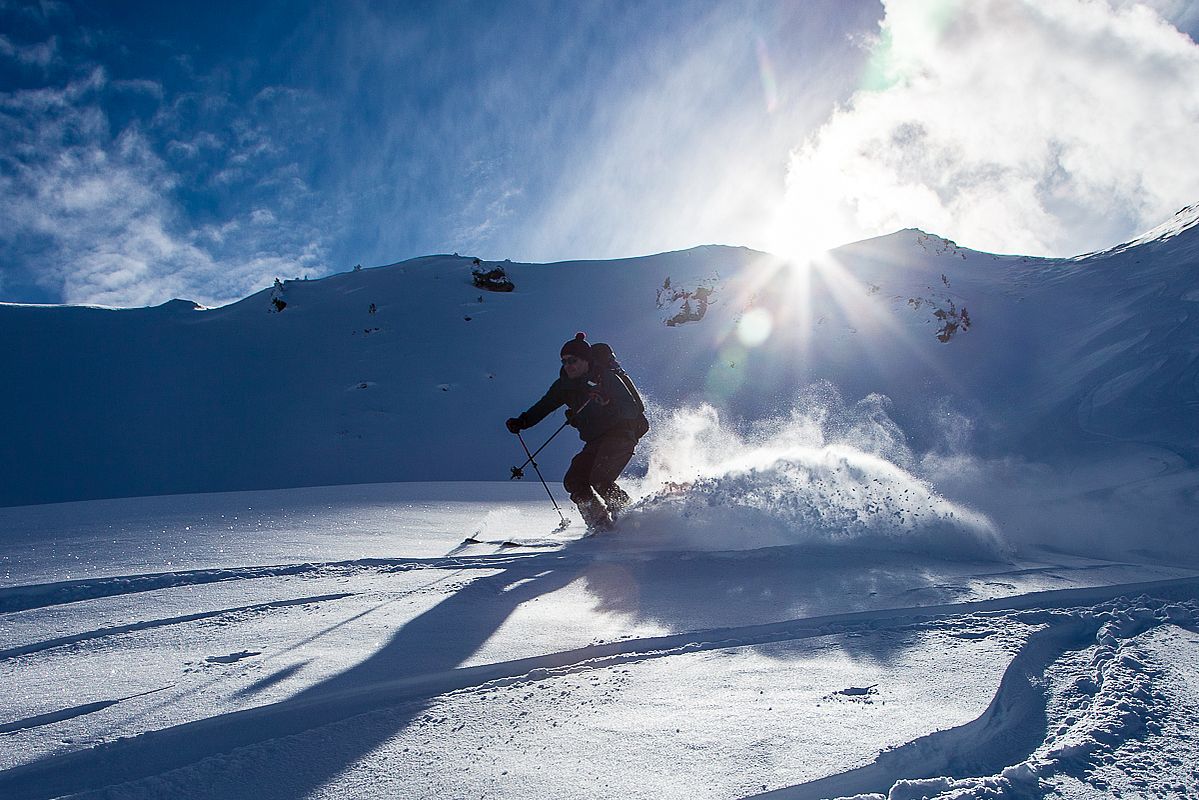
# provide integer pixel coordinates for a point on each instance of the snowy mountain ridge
(406, 372)
(1184, 219)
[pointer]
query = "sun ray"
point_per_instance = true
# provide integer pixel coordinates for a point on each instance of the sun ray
(856, 302)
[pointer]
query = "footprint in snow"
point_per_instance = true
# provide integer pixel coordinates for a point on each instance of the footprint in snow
(232, 658)
(858, 693)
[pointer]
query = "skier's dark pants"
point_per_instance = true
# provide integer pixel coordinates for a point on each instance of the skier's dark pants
(598, 465)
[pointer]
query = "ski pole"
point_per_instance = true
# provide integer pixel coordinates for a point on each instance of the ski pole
(543, 483)
(517, 471)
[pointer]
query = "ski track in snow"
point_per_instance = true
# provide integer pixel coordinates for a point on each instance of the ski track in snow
(1006, 734)
(45, 595)
(25, 598)
(69, 713)
(116, 630)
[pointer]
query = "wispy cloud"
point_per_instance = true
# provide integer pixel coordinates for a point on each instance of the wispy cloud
(97, 213)
(686, 141)
(40, 54)
(1051, 128)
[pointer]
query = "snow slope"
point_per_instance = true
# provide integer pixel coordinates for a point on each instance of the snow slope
(190, 656)
(912, 522)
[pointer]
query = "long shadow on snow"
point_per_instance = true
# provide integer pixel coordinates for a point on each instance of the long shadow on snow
(415, 665)
(705, 590)
(422, 659)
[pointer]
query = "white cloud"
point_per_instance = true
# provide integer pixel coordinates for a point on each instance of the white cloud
(1049, 128)
(197, 146)
(140, 86)
(486, 208)
(113, 234)
(42, 54)
(1184, 14)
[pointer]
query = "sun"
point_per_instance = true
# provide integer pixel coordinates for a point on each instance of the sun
(803, 229)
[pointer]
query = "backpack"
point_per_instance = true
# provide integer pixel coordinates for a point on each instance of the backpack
(603, 358)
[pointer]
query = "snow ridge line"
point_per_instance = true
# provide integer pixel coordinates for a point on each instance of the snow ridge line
(1006, 733)
(100, 633)
(43, 595)
(156, 752)
(1111, 702)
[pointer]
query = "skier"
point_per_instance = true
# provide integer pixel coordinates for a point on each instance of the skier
(603, 404)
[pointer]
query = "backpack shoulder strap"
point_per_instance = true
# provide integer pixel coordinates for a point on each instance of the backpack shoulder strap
(628, 384)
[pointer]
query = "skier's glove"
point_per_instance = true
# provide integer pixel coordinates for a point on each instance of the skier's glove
(513, 425)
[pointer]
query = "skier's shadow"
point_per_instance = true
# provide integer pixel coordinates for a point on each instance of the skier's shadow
(447, 634)
(439, 639)
(435, 642)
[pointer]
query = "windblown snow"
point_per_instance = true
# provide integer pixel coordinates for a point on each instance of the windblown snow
(795, 483)
(912, 522)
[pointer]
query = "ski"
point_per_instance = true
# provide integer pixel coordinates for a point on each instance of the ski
(516, 542)
(478, 537)
(534, 542)
(519, 541)
(550, 541)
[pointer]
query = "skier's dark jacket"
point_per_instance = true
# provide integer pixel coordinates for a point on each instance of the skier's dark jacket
(614, 405)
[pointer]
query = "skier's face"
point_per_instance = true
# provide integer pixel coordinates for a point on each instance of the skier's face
(575, 367)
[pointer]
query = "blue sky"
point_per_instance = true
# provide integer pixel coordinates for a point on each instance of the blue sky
(154, 150)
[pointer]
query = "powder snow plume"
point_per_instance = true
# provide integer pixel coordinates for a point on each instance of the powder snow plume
(826, 476)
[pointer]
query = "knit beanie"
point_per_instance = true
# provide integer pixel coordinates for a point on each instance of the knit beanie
(577, 347)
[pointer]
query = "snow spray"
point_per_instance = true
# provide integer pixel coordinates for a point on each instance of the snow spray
(826, 475)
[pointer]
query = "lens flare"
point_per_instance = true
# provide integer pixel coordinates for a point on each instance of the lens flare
(726, 374)
(770, 85)
(755, 327)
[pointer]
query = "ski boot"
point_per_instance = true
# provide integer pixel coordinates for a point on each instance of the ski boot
(595, 515)
(615, 498)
